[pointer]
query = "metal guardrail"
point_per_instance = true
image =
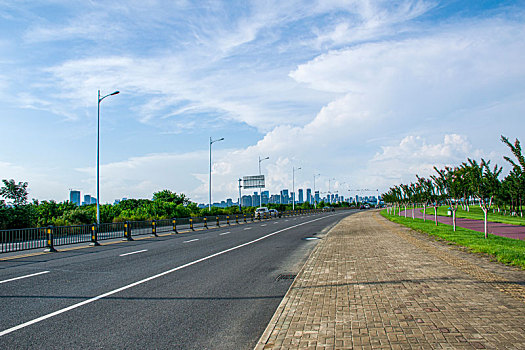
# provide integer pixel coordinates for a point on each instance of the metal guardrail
(53, 236)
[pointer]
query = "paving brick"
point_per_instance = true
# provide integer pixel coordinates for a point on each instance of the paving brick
(371, 284)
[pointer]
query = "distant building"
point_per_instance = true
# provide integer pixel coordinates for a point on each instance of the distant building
(309, 198)
(275, 199)
(317, 198)
(256, 200)
(285, 197)
(87, 199)
(265, 197)
(93, 200)
(229, 202)
(300, 197)
(74, 197)
(246, 201)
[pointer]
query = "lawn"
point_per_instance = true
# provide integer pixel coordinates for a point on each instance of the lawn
(477, 214)
(506, 250)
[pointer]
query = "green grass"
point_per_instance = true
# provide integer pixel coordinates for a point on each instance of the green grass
(506, 250)
(477, 214)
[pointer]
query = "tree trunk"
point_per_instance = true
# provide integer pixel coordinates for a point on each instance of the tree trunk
(454, 219)
(485, 211)
(413, 209)
(405, 210)
(424, 211)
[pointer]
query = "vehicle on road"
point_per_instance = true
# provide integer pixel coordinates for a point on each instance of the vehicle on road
(274, 213)
(262, 212)
(365, 206)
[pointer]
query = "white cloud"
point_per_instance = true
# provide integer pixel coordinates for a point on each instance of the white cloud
(370, 20)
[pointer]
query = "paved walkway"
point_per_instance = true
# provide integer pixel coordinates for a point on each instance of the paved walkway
(372, 284)
(496, 228)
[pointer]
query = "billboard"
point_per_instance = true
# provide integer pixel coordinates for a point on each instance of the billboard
(253, 181)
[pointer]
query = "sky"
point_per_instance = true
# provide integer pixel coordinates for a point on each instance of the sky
(367, 94)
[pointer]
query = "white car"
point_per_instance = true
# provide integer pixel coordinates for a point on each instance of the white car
(261, 212)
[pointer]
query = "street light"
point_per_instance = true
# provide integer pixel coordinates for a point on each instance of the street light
(98, 151)
(209, 189)
(314, 200)
(293, 186)
(260, 188)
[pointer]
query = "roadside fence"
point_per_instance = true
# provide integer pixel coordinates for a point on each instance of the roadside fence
(54, 236)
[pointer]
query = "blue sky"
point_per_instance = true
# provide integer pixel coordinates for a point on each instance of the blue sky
(367, 92)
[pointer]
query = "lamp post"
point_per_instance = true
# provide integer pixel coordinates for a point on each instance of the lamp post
(209, 189)
(98, 151)
(260, 188)
(293, 186)
(315, 201)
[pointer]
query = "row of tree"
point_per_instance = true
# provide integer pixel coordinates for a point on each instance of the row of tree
(18, 213)
(470, 182)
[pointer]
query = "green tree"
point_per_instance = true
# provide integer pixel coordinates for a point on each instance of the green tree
(169, 196)
(484, 185)
(17, 193)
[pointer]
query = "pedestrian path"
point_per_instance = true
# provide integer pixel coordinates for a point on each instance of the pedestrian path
(495, 228)
(372, 284)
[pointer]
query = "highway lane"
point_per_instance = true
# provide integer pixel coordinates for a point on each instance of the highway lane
(217, 290)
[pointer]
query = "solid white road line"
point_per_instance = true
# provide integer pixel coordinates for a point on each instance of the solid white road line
(89, 301)
(224, 233)
(138, 251)
(263, 225)
(191, 240)
(247, 228)
(26, 276)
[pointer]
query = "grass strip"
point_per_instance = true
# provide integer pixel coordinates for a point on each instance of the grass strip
(476, 213)
(506, 250)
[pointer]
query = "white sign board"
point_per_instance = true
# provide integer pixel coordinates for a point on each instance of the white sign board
(254, 181)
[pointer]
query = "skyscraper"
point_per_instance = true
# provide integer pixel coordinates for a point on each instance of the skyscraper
(246, 201)
(256, 200)
(300, 195)
(285, 197)
(265, 197)
(74, 197)
(317, 199)
(87, 199)
(309, 198)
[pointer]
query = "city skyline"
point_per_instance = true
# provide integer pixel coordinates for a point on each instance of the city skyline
(367, 92)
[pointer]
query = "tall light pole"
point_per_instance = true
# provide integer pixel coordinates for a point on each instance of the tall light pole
(293, 186)
(98, 151)
(315, 202)
(209, 189)
(260, 188)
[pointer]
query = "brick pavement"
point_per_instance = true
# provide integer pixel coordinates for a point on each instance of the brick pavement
(372, 284)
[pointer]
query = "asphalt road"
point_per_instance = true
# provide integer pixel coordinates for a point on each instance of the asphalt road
(214, 289)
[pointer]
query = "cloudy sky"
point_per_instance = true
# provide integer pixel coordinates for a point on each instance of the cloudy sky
(368, 93)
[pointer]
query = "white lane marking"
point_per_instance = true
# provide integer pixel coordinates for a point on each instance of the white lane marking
(247, 228)
(263, 225)
(224, 233)
(138, 251)
(275, 223)
(191, 240)
(26, 276)
(107, 294)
